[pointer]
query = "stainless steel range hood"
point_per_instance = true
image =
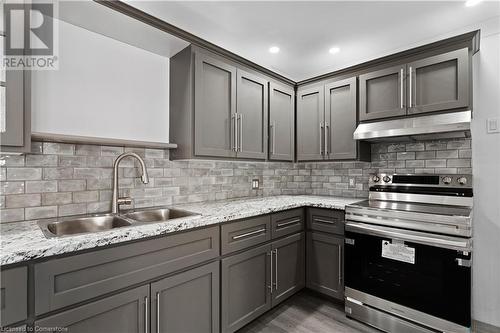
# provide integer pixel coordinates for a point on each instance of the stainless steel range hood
(439, 126)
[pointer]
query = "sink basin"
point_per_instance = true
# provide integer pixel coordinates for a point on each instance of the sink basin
(158, 215)
(82, 225)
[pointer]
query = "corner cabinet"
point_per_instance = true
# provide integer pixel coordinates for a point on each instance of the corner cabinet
(326, 121)
(436, 83)
(281, 122)
(220, 109)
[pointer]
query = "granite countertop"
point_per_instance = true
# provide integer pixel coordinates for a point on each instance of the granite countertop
(22, 241)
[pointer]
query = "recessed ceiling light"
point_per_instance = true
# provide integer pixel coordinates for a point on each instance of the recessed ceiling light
(274, 49)
(334, 50)
(471, 3)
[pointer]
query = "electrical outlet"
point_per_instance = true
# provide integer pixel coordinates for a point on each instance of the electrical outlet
(493, 125)
(352, 182)
(255, 184)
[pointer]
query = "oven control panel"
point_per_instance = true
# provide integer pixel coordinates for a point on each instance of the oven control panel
(427, 180)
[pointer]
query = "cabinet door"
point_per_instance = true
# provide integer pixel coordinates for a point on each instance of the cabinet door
(439, 83)
(325, 264)
(281, 122)
(245, 287)
(187, 302)
(340, 119)
(310, 127)
(382, 93)
(251, 108)
(289, 267)
(214, 107)
(13, 295)
(121, 313)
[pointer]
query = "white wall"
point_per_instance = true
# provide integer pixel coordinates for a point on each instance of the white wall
(486, 173)
(103, 88)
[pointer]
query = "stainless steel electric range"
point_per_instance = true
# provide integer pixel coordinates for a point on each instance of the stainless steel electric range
(408, 254)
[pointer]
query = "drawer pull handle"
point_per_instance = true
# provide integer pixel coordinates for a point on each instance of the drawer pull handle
(248, 234)
(326, 221)
(284, 224)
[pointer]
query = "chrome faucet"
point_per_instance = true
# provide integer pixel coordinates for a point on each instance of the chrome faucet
(116, 202)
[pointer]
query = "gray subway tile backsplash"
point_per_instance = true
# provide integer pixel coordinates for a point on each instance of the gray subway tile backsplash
(64, 179)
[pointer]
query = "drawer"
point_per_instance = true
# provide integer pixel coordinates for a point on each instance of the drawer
(326, 220)
(65, 281)
(287, 222)
(245, 233)
(14, 295)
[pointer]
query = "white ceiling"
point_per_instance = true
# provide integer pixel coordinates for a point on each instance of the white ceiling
(305, 31)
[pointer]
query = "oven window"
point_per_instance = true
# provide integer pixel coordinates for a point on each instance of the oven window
(434, 284)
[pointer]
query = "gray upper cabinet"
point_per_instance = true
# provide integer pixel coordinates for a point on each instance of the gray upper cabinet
(122, 313)
(340, 119)
(251, 117)
(14, 295)
(281, 122)
(382, 93)
(215, 107)
(439, 83)
(289, 267)
(187, 302)
(325, 264)
(310, 123)
(245, 287)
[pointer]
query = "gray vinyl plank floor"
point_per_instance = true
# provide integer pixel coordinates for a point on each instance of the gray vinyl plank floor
(306, 312)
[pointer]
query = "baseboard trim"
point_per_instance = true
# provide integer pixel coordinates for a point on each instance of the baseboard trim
(480, 327)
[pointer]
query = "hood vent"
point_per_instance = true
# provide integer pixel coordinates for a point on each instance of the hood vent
(439, 126)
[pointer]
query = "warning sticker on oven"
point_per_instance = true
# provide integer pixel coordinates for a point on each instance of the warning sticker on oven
(398, 251)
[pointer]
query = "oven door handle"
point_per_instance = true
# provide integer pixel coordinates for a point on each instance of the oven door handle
(447, 242)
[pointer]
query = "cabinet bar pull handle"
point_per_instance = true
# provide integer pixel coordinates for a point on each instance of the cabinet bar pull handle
(340, 264)
(146, 314)
(157, 312)
(233, 132)
(401, 86)
(320, 137)
(325, 221)
(411, 104)
(251, 233)
(273, 134)
(276, 269)
(327, 129)
(284, 224)
(270, 286)
(240, 116)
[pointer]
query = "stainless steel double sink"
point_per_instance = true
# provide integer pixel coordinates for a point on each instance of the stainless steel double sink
(94, 223)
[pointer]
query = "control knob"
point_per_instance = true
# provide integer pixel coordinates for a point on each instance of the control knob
(375, 179)
(462, 180)
(386, 179)
(447, 180)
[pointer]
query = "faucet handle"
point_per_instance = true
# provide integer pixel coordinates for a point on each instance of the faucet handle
(124, 201)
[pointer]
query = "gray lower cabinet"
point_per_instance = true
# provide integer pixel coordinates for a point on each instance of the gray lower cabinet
(120, 313)
(14, 295)
(251, 117)
(325, 264)
(310, 123)
(281, 122)
(214, 107)
(288, 266)
(382, 93)
(439, 82)
(187, 302)
(245, 287)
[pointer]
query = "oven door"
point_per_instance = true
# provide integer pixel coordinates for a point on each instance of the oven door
(425, 272)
